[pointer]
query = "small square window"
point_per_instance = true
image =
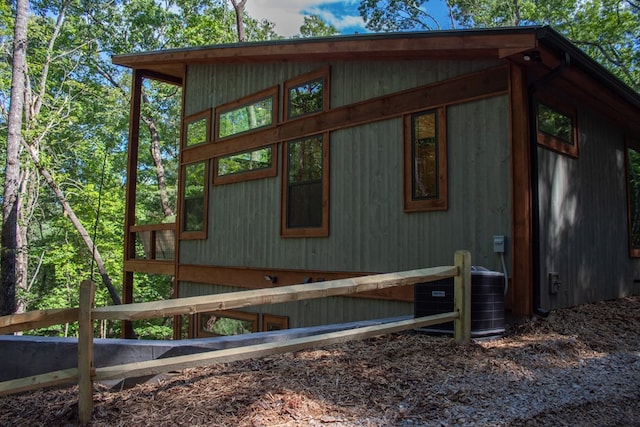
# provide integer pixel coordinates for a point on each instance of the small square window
(196, 129)
(307, 94)
(556, 124)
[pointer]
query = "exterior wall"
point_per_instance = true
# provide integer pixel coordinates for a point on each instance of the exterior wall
(583, 217)
(369, 231)
(322, 311)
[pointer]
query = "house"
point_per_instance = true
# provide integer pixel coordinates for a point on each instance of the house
(316, 159)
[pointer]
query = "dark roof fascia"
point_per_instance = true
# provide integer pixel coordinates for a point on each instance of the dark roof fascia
(553, 40)
(418, 35)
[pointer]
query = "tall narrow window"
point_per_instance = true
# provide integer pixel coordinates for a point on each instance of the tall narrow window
(425, 161)
(633, 197)
(556, 124)
(305, 202)
(306, 94)
(194, 211)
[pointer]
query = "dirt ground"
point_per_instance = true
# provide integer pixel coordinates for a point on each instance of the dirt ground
(578, 367)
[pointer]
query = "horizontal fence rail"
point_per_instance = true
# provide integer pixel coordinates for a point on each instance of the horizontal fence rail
(85, 374)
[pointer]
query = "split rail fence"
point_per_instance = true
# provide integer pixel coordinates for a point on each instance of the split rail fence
(85, 374)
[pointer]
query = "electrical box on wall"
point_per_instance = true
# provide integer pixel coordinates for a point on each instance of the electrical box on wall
(498, 244)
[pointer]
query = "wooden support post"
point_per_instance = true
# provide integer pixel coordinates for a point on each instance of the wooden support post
(462, 297)
(85, 353)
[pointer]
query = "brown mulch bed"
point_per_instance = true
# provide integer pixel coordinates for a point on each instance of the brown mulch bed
(580, 366)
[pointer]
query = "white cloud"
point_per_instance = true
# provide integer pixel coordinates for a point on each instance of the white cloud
(288, 15)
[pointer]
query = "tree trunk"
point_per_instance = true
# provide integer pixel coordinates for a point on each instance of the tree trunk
(11, 200)
(157, 161)
(239, 7)
(76, 223)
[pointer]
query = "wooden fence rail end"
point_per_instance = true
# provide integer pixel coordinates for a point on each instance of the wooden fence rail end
(33, 382)
(37, 319)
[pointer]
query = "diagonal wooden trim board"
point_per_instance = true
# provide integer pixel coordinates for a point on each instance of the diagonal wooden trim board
(192, 305)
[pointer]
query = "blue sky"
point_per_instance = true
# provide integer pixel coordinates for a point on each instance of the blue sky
(288, 15)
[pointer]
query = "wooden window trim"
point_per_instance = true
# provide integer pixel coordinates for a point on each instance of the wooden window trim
(634, 252)
(323, 74)
(442, 202)
(193, 235)
(323, 230)
(283, 321)
(248, 100)
(269, 172)
(205, 114)
(231, 314)
(551, 142)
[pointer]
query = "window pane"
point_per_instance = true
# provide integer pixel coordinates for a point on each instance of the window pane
(425, 156)
(305, 159)
(196, 132)
(634, 196)
(244, 162)
(246, 117)
(194, 178)
(304, 179)
(221, 325)
(306, 98)
(555, 123)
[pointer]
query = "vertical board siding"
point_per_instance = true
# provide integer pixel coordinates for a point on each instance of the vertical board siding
(369, 230)
(583, 221)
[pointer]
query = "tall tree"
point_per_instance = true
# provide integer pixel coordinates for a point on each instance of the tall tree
(11, 200)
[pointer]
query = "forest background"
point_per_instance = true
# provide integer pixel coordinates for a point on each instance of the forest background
(64, 126)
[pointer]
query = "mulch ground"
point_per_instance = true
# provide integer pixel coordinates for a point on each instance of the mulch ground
(579, 366)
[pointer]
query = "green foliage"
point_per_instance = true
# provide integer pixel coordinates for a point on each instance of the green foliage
(605, 29)
(314, 26)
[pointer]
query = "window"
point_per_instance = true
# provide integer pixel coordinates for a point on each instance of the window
(307, 94)
(229, 322)
(244, 166)
(196, 129)
(194, 204)
(633, 196)
(305, 201)
(425, 161)
(556, 123)
(271, 322)
(253, 112)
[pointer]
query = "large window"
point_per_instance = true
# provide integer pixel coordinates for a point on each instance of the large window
(305, 202)
(633, 196)
(425, 161)
(246, 114)
(194, 201)
(556, 124)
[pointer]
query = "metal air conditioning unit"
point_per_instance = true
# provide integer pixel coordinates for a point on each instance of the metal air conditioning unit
(487, 303)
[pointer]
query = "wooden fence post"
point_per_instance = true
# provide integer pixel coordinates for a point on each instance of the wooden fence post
(85, 353)
(462, 297)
